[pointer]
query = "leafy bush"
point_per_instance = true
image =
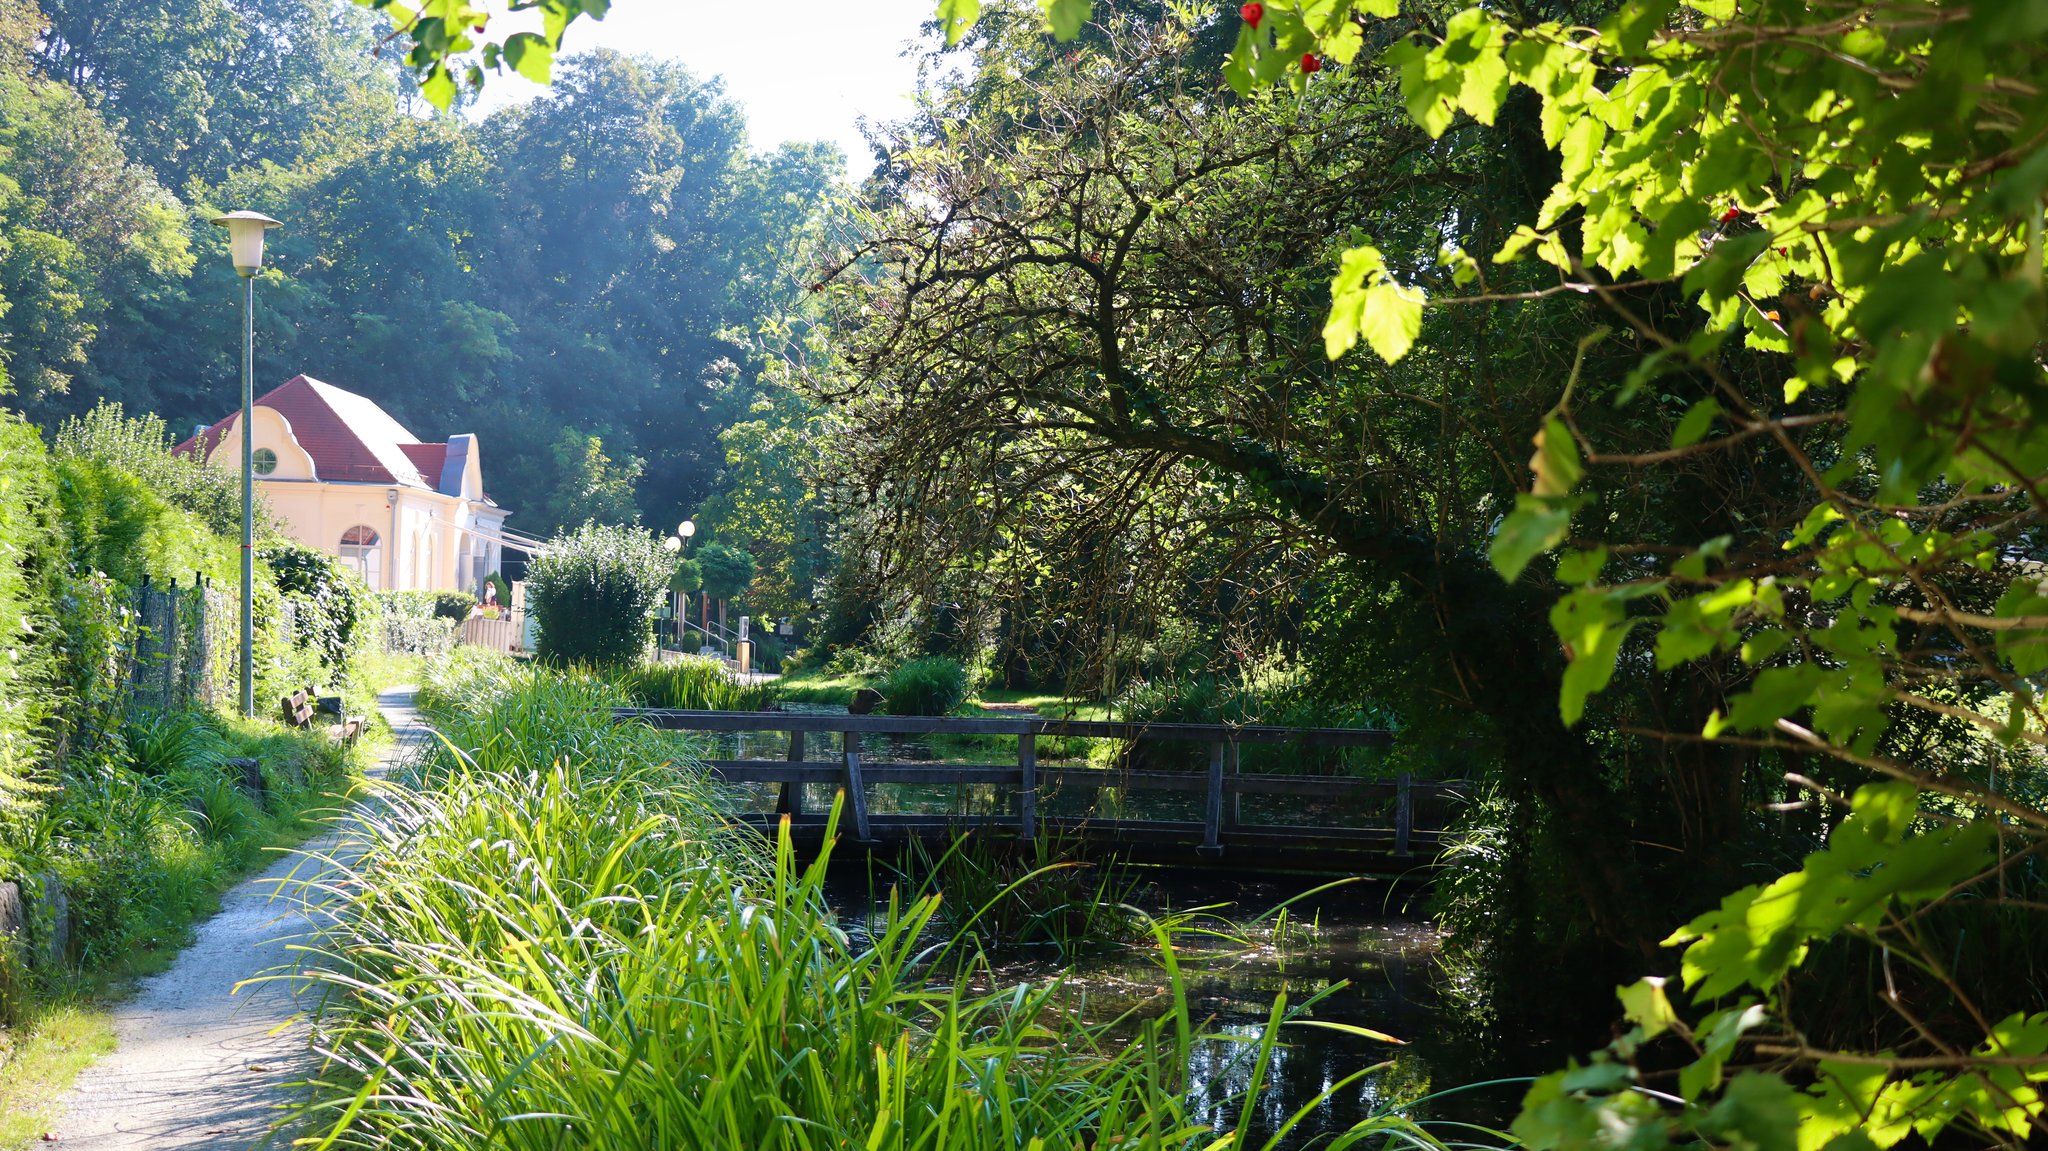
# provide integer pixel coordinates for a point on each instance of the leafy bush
(933, 685)
(410, 624)
(331, 598)
(140, 446)
(593, 592)
(116, 523)
(28, 542)
(166, 743)
(454, 605)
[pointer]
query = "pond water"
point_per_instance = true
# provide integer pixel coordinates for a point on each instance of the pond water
(1354, 957)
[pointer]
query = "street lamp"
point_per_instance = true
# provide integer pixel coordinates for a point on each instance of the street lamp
(245, 248)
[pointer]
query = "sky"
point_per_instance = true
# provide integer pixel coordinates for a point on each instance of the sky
(802, 69)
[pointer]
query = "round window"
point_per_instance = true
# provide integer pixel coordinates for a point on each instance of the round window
(264, 461)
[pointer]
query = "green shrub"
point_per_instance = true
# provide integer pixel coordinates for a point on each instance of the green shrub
(28, 562)
(140, 446)
(166, 743)
(118, 524)
(593, 592)
(331, 599)
(454, 605)
(933, 685)
(410, 624)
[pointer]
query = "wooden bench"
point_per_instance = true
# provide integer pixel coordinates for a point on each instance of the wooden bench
(300, 712)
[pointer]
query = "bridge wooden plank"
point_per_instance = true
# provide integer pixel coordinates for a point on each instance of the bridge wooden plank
(1212, 813)
(678, 720)
(856, 788)
(1246, 840)
(1027, 787)
(1077, 778)
(792, 799)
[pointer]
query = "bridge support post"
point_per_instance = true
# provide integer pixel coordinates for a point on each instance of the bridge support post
(1404, 814)
(1212, 824)
(856, 791)
(1233, 767)
(1027, 787)
(791, 801)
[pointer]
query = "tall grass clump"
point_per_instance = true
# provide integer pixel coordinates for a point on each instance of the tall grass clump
(692, 683)
(553, 942)
(932, 685)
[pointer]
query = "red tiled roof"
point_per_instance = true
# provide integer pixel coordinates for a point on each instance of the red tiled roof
(429, 459)
(350, 438)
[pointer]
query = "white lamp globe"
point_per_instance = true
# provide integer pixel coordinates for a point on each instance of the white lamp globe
(686, 529)
(245, 238)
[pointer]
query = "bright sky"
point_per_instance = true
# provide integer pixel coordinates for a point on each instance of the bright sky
(802, 69)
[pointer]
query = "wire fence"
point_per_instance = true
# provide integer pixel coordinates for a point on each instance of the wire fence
(185, 645)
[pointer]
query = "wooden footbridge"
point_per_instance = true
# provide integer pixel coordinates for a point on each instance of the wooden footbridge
(1385, 825)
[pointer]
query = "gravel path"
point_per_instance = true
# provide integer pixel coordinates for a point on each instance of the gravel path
(196, 1063)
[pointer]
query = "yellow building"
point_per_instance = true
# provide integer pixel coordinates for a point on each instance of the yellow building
(346, 478)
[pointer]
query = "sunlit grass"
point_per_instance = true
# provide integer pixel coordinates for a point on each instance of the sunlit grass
(39, 1062)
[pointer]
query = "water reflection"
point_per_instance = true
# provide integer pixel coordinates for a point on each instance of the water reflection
(1363, 959)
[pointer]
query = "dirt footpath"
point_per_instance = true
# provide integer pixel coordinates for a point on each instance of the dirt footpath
(197, 1064)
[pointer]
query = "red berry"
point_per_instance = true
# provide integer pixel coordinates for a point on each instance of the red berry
(1731, 215)
(1311, 63)
(1781, 251)
(1253, 13)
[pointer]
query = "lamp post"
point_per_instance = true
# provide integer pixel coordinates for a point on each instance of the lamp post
(675, 545)
(245, 247)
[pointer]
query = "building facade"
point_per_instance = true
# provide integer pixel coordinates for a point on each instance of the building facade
(347, 479)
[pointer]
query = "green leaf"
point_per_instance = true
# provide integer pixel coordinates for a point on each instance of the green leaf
(1067, 17)
(1364, 302)
(1646, 1006)
(1593, 624)
(956, 17)
(1384, 9)
(1581, 567)
(1693, 427)
(1534, 527)
(1556, 462)
(439, 88)
(530, 56)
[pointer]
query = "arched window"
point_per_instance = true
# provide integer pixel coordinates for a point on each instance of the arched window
(359, 549)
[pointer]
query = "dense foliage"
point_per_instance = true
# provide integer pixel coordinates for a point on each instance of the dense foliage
(593, 592)
(121, 814)
(1772, 322)
(578, 276)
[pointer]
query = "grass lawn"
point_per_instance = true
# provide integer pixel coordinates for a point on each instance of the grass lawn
(1050, 705)
(821, 687)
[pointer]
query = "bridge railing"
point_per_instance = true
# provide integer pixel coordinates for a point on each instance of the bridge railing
(1222, 785)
